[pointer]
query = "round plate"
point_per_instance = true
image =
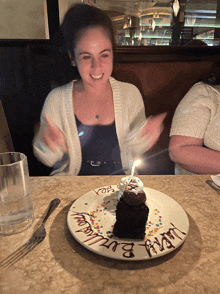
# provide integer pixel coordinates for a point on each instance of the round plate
(91, 220)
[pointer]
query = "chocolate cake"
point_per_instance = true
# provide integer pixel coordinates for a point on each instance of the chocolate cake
(131, 214)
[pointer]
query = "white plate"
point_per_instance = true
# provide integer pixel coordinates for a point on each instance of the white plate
(92, 216)
(216, 179)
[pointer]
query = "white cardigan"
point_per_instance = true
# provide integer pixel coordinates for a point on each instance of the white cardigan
(58, 107)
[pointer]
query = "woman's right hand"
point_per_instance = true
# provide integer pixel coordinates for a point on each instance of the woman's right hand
(153, 129)
(53, 137)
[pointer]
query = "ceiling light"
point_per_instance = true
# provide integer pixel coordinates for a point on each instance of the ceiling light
(153, 25)
(140, 36)
(176, 7)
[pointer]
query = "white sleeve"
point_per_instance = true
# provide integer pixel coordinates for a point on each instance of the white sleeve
(51, 111)
(137, 116)
(193, 113)
(137, 119)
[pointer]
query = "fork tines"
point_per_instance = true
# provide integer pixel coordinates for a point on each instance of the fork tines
(20, 252)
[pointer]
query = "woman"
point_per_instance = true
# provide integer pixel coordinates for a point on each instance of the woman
(195, 130)
(85, 124)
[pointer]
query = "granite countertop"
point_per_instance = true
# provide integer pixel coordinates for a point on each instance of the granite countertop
(61, 265)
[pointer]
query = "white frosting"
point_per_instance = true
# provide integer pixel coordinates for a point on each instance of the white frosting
(125, 181)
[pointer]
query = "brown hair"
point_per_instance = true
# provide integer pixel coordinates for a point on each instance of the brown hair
(79, 18)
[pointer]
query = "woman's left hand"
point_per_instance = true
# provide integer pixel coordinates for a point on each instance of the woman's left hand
(153, 128)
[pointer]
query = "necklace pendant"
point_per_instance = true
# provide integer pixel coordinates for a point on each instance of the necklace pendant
(97, 116)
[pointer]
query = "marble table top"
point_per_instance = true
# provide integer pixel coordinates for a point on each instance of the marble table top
(61, 265)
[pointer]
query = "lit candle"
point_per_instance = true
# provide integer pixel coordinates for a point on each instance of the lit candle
(136, 163)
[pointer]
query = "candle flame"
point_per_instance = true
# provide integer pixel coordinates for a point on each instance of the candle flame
(137, 162)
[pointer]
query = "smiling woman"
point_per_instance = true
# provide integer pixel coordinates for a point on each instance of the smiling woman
(89, 119)
(93, 57)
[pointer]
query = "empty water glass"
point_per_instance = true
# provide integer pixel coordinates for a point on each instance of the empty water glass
(16, 207)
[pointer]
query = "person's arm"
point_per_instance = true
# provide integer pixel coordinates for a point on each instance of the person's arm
(53, 137)
(191, 126)
(190, 153)
(49, 142)
(150, 128)
(153, 129)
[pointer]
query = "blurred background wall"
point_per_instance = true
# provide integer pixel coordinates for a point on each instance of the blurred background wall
(22, 19)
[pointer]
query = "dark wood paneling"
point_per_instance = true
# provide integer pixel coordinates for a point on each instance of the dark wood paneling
(134, 53)
(166, 53)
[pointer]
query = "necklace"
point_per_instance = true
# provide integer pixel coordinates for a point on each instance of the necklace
(97, 116)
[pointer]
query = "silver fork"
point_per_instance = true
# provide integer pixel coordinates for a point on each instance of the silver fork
(213, 185)
(37, 237)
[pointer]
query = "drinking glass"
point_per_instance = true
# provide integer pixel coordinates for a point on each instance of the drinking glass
(16, 207)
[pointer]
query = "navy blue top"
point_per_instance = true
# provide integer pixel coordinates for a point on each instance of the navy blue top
(100, 145)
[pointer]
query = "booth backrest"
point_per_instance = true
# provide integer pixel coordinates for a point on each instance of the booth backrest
(162, 85)
(6, 144)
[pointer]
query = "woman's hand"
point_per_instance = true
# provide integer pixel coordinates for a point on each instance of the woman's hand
(153, 128)
(53, 136)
